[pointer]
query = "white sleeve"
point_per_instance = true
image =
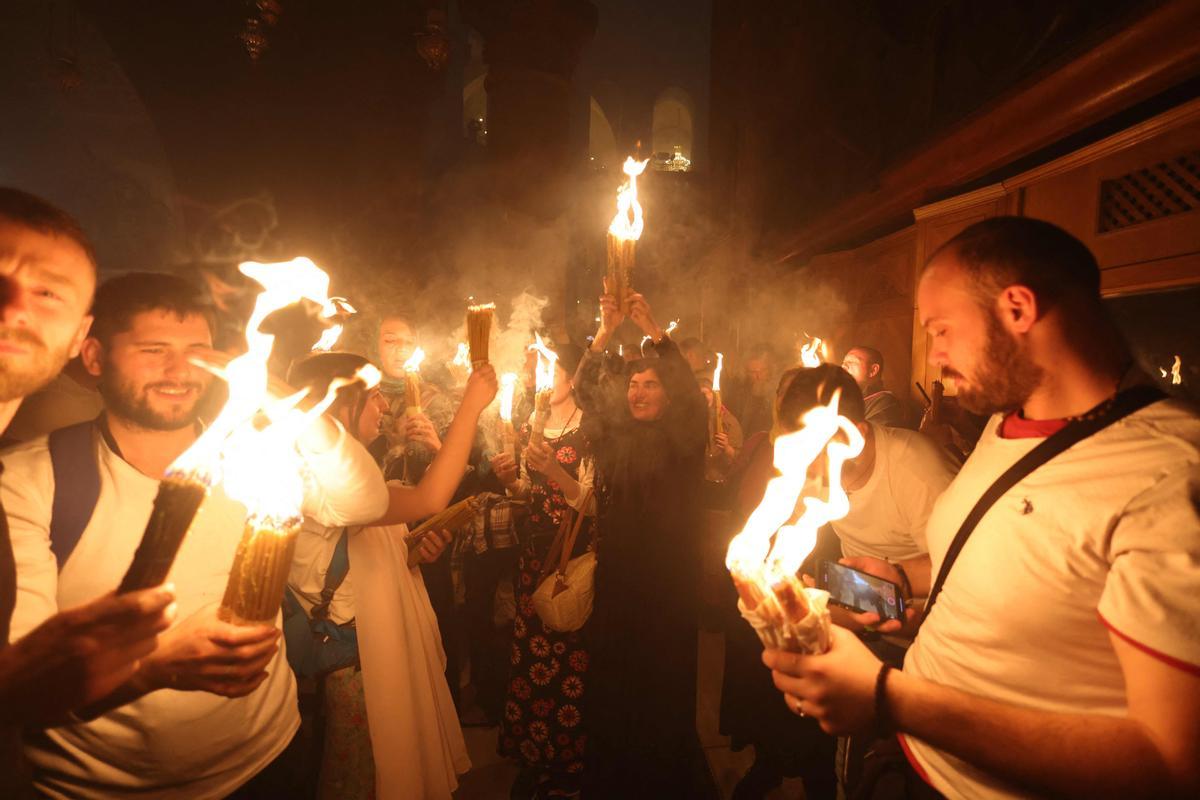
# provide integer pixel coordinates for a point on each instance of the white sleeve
(1149, 596)
(27, 494)
(347, 486)
(587, 480)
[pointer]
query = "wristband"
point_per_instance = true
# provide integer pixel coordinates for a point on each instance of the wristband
(883, 715)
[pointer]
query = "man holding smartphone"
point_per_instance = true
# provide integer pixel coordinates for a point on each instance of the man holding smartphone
(1063, 657)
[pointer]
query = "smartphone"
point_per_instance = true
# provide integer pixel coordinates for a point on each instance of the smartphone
(858, 591)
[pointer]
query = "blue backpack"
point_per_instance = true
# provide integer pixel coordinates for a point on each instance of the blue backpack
(315, 644)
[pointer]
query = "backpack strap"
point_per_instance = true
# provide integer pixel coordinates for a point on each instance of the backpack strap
(1124, 404)
(339, 567)
(76, 486)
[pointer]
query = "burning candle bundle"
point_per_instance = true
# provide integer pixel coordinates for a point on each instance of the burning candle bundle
(624, 232)
(544, 387)
(508, 390)
(412, 382)
(718, 408)
(765, 557)
(479, 331)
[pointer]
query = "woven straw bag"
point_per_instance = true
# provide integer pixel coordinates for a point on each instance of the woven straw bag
(563, 599)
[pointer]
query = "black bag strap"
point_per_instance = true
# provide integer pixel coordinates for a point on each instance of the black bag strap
(76, 486)
(1124, 404)
(339, 568)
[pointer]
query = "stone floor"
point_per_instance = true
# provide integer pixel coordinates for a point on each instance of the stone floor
(491, 776)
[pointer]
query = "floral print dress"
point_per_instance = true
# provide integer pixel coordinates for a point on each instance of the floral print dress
(542, 727)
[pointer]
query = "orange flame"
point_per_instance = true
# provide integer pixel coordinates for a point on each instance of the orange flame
(544, 373)
(813, 352)
(1176, 372)
(774, 542)
(508, 389)
(628, 223)
(413, 364)
(717, 372)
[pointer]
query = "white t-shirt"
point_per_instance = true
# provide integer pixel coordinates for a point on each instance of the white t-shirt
(888, 513)
(1105, 537)
(168, 744)
(310, 563)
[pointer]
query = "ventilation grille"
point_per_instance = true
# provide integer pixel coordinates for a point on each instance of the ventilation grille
(1152, 192)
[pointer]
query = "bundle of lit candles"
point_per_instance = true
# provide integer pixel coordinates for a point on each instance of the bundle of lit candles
(765, 558)
(623, 234)
(508, 391)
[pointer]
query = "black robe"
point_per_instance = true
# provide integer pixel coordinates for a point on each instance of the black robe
(643, 629)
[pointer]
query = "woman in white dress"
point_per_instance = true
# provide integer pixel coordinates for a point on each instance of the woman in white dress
(415, 746)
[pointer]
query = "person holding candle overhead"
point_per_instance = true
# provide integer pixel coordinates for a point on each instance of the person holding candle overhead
(78, 656)
(212, 711)
(544, 727)
(648, 439)
(411, 744)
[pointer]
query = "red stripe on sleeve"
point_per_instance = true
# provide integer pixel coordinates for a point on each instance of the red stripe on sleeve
(917, 768)
(1188, 667)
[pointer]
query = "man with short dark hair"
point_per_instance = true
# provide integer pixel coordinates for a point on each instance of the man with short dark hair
(1062, 657)
(76, 657)
(213, 708)
(883, 407)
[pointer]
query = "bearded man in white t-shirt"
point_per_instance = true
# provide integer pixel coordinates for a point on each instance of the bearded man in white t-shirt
(212, 710)
(1063, 656)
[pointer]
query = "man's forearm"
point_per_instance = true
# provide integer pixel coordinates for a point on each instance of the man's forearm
(1070, 755)
(919, 571)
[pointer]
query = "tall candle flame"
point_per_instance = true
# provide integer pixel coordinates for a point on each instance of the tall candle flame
(717, 372)
(628, 223)
(774, 542)
(508, 390)
(544, 373)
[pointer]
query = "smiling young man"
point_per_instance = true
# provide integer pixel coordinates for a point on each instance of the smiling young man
(214, 706)
(1063, 656)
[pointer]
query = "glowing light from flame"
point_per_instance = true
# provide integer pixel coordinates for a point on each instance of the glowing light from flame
(414, 361)
(717, 372)
(628, 223)
(671, 326)
(544, 373)
(1176, 372)
(340, 307)
(260, 466)
(774, 542)
(813, 352)
(508, 390)
(462, 356)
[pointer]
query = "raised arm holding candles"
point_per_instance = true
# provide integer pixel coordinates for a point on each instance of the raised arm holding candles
(765, 557)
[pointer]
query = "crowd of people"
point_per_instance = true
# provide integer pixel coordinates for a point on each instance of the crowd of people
(1038, 637)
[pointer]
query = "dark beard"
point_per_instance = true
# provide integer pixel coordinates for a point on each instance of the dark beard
(1005, 377)
(124, 402)
(21, 380)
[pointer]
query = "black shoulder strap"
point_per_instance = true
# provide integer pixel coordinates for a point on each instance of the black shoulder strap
(339, 567)
(1124, 404)
(76, 486)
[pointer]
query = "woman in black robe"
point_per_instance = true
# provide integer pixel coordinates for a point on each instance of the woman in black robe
(648, 425)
